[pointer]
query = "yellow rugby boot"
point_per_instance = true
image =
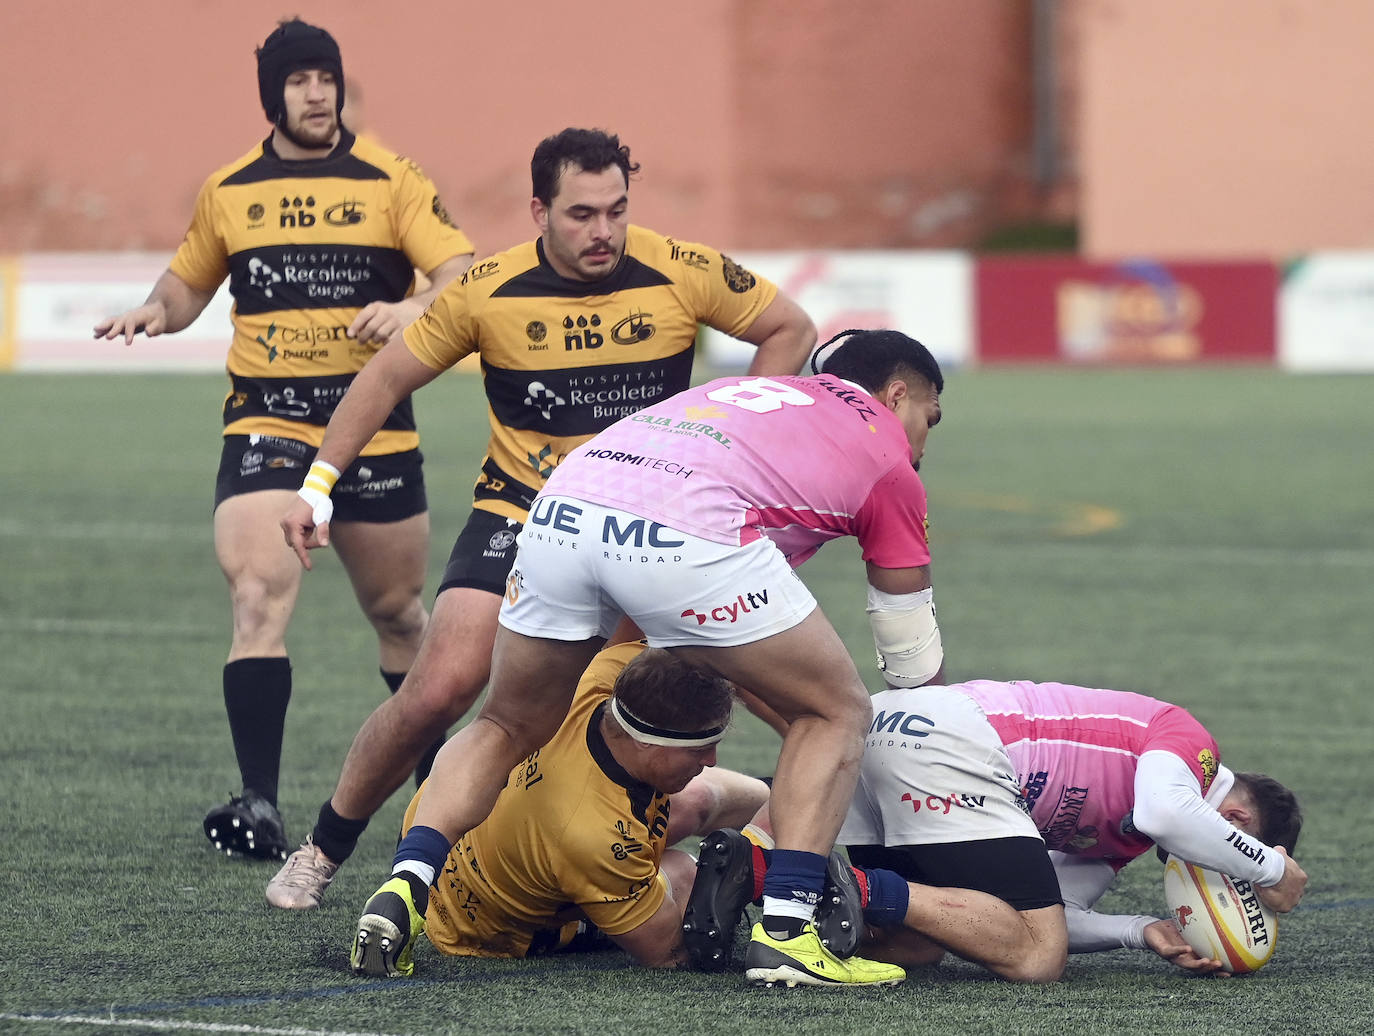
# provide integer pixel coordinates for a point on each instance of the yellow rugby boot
(387, 932)
(805, 961)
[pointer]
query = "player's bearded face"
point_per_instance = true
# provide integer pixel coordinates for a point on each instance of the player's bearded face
(311, 97)
(583, 228)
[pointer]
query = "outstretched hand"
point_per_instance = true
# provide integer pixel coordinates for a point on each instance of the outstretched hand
(1165, 939)
(150, 318)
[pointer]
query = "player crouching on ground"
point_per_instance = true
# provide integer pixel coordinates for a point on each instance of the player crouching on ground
(1108, 775)
(579, 834)
(945, 856)
(968, 793)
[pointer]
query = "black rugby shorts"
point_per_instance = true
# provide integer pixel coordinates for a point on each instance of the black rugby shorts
(385, 488)
(483, 554)
(1016, 870)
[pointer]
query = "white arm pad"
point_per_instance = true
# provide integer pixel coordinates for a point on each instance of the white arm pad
(906, 636)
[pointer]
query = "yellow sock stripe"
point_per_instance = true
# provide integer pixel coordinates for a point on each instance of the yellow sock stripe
(321, 477)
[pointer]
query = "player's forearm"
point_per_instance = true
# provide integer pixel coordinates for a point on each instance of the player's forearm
(1200, 840)
(441, 275)
(1090, 931)
(1170, 809)
(387, 379)
(657, 943)
(1082, 882)
(734, 800)
(783, 337)
(179, 301)
(780, 355)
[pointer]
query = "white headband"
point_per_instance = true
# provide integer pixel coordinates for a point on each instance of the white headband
(648, 734)
(822, 353)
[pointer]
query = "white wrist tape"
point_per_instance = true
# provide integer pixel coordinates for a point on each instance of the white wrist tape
(322, 508)
(906, 635)
(319, 480)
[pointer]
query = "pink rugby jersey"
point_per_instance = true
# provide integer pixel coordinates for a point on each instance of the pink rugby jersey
(801, 460)
(1075, 751)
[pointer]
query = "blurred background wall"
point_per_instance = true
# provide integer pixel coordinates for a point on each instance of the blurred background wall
(1184, 127)
(1082, 181)
(1218, 127)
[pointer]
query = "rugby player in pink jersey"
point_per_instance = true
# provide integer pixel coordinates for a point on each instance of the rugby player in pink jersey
(983, 806)
(955, 779)
(688, 518)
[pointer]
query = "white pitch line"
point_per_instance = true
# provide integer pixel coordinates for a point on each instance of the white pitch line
(162, 1023)
(40, 625)
(150, 532)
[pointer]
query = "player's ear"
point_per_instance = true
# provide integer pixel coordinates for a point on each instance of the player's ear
(1239, 815)
(894, 392)
(539, 212)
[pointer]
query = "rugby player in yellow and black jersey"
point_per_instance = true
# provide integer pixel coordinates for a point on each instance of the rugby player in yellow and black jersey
(591, 321)
(307, 246)
(320, 234)
(579, 833)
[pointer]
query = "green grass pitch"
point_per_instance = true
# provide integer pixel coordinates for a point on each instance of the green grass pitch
(1203, 535)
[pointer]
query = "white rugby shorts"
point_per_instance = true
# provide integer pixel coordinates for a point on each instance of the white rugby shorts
(580, 566)
(934, 770)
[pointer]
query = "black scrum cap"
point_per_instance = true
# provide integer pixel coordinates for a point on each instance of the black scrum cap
(292, 46)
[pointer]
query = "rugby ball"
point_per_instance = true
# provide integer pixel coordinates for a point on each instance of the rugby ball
(1220, 917)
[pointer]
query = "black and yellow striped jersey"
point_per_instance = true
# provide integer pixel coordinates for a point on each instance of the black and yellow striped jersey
(306, 245)
(563, 359)
(573, 835)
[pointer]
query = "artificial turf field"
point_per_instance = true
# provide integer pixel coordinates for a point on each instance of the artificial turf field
(1203, 535)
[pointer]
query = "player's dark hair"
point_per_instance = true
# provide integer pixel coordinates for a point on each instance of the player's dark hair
(292, 46)
(873, 358)
(590, 150)
(1279, 813)
(662, 689)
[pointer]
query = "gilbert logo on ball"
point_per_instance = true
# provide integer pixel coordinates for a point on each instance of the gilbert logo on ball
(1220, 917)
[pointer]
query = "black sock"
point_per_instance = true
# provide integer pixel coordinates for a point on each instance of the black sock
(337, 836)
(256, 692)
(419, 891)
(782, 927)
(426, 763)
